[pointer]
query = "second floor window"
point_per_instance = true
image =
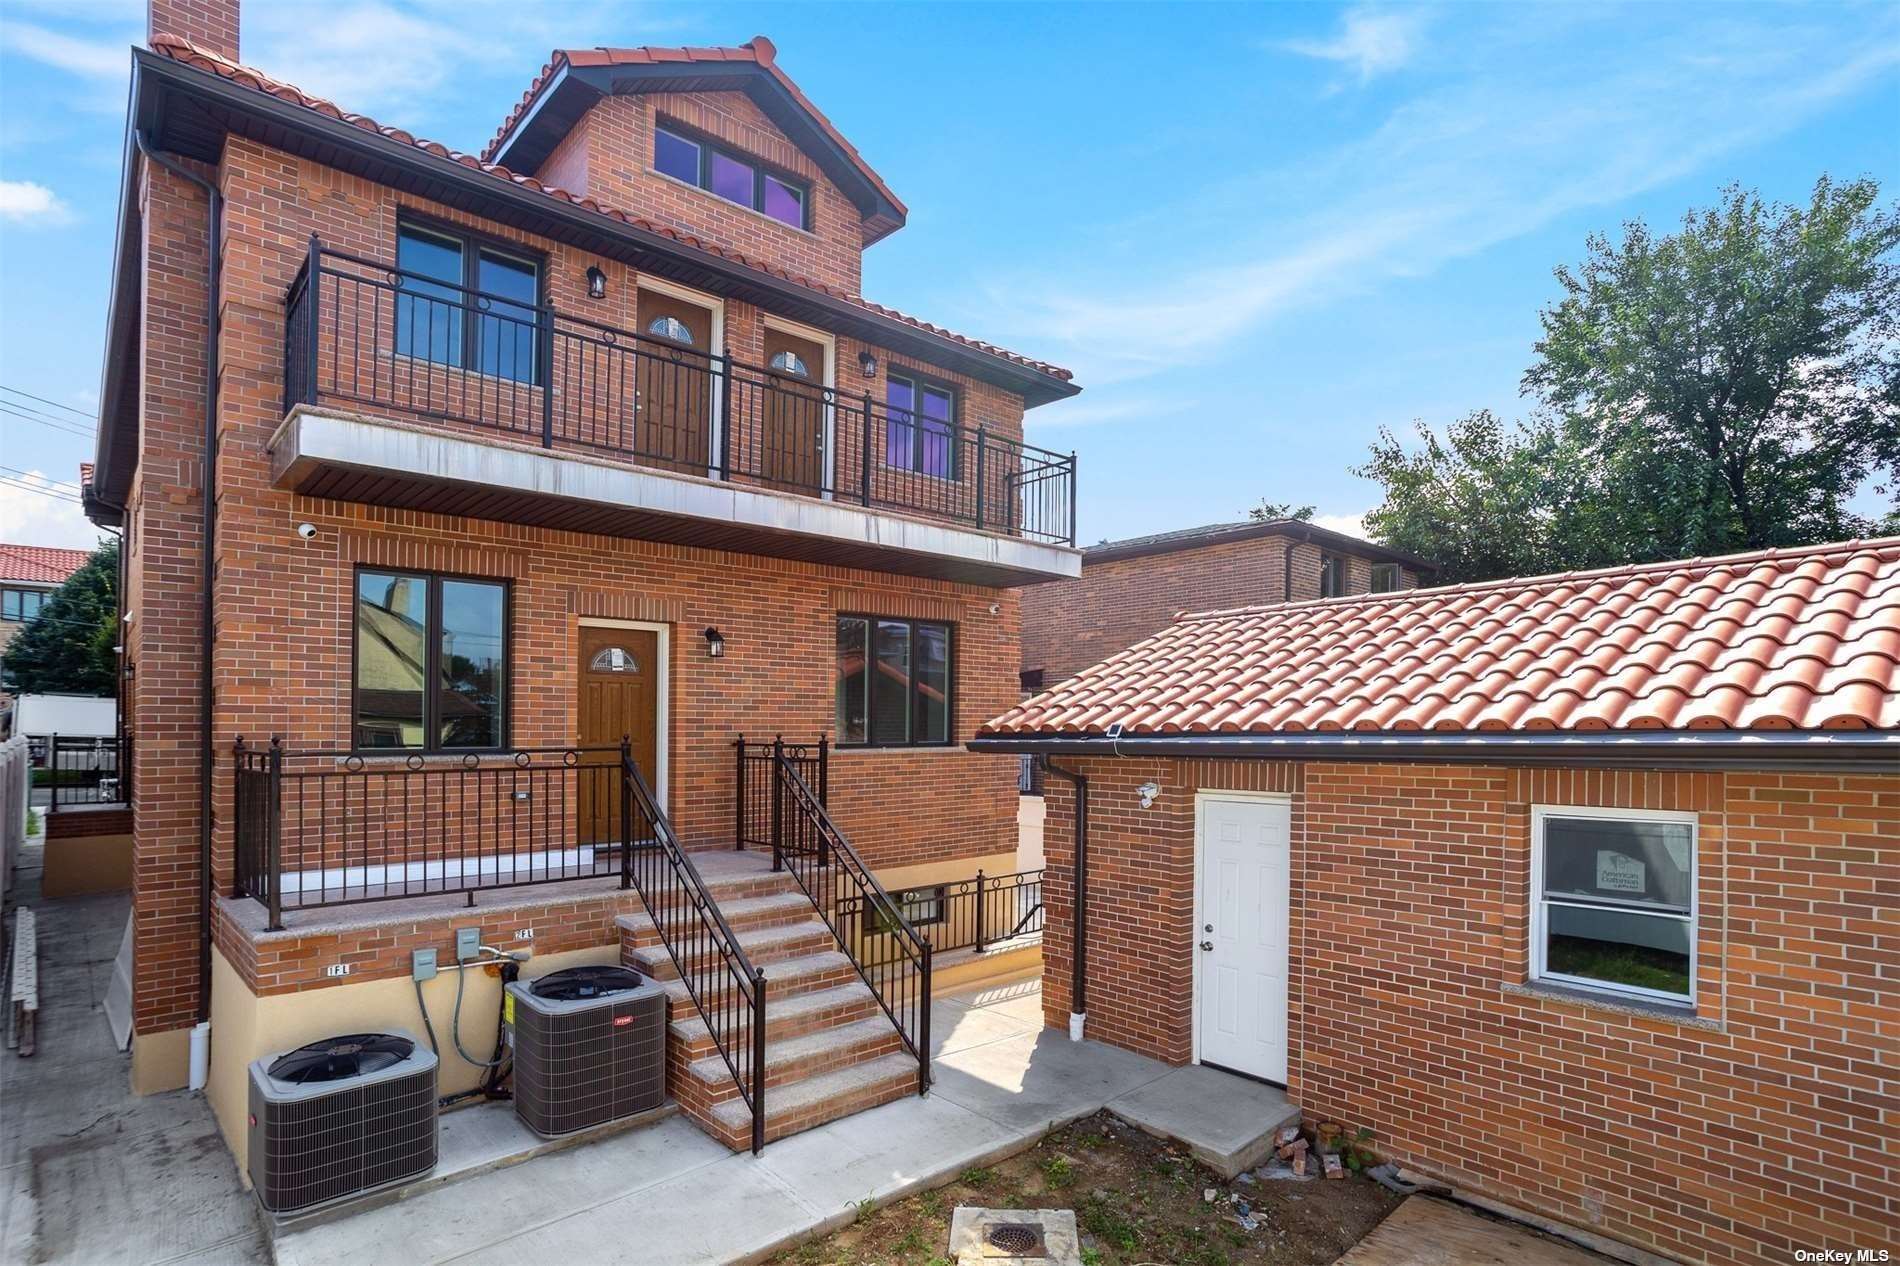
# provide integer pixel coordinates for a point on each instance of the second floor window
(466, 304)
(893, 682)
(1332, 575)
(431, 662)
(21, 604)
(920, 429)
(1385, 577)
(732, 177)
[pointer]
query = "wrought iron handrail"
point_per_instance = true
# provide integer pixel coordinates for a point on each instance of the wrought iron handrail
(975, 913)
(754, 777)
(822, 861)
(727, 990)
(362, 332)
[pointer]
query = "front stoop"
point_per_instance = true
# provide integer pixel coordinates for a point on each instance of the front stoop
(830, 1049)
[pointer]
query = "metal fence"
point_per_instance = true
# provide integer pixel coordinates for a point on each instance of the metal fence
(82, 769)
(976, 913)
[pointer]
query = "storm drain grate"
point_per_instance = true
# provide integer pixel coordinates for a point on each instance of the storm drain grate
(1019, 1239)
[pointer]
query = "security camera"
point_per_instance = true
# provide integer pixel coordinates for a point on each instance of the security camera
(306, 530)
(996, 608)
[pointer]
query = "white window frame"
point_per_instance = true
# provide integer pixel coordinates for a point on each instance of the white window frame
(1540, 974)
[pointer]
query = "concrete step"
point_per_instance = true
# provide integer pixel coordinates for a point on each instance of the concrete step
(740, 914)
(764, 946)
(788, 978)
(785, 1016)
(816, 1100)
(794, 1059)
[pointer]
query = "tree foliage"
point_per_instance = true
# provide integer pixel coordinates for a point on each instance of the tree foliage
(1730, 386)
(68, 647)
(1275, 511)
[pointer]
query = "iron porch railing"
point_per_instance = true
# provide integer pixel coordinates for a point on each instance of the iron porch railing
(974, 913)
(362, 333)
(81, 769)
(755, 779)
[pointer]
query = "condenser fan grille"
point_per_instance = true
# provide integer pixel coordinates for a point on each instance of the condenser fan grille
(576, 983)
(337, 1058)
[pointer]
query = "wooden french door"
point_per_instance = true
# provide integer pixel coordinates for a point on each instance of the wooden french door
(673, 428)
(619, 694)
(792, 443)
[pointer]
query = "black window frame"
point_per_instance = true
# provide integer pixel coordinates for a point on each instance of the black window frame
(18, 599)
(432, 667)
(918, 382)
(949, 738)
(760, 170)
(875, 924)
(473, 242)
(1393, 570)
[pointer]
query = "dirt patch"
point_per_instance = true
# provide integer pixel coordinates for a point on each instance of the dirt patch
(1136, 1200)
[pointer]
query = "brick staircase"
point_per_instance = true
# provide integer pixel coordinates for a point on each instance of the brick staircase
(830, 1050)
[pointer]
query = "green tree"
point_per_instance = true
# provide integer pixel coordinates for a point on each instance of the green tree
(67, 649)
(1730, 386)
(1273, 511)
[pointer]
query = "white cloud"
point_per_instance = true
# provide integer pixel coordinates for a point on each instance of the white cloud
(1369, 41)
(23, 202)
(32, 518)
(1350, 524)
(95, 58)
(1091, 412)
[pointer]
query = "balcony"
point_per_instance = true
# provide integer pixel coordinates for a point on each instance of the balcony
(404, 391)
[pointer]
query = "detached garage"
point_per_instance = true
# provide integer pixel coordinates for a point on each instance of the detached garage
(1582, 891)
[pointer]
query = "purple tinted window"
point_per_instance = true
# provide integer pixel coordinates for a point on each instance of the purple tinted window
(676, 156)
(784, 202)
(936, 434)
(899, 444)
(730, 178)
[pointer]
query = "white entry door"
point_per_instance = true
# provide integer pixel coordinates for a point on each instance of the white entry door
(1240, 934)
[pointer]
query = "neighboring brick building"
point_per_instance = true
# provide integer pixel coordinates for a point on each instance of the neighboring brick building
(29, 575)
(1133, 589)
(1577, 891)
(512, 462)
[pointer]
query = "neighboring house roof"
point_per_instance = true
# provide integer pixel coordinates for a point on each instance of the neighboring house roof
(1781, 640)
(184, 51)
(1250, 529)
(540, 119)
(40, 564)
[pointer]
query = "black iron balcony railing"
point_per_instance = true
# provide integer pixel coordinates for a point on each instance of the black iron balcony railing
(79, 769)
(361, 333)
(977, 913)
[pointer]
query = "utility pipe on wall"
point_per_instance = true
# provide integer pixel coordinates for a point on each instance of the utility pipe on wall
(1078, 985)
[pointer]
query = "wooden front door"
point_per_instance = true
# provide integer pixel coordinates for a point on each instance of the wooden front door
(792, 443)
(619, 694)
(675, 385)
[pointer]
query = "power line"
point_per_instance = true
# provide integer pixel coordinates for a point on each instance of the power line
(33, 474)
(41, 489)
(43, 400)
(53, 424)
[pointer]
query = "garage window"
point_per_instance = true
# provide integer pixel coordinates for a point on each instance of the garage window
(1613, 901)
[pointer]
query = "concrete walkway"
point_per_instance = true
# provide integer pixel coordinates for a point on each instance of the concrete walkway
(1003, 1081)
(89, 1173)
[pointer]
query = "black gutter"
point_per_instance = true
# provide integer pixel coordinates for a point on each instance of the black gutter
(1834, 750)
(214, 217)
(1079, 956)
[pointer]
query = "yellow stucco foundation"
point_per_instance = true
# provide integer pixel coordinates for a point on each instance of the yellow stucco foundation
(245, 1026)
(160, 1061)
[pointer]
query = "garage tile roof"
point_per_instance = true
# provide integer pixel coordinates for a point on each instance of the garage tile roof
(183, 50)
(1799, 639)
(39, 564)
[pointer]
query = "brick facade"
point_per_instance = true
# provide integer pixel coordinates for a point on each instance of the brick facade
(1070, 624)
(1760, 1125)
(284, 605)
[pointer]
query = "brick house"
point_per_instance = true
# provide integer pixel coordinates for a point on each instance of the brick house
(1577, 890)
(1133, 588)
(29, 575)
(537, 482)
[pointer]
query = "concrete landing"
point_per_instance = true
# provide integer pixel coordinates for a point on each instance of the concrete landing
(1428, 1232)
(1226, 1122)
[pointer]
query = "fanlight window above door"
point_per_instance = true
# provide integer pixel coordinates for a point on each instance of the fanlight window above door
(614, 659)
(790, 363)
(671, 328)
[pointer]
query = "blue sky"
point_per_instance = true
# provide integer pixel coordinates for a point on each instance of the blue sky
(1256, 233)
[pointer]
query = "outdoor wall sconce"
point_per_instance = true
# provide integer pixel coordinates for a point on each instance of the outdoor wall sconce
(596, 283)
(1149, 793)
(867, 363)
(715, 643)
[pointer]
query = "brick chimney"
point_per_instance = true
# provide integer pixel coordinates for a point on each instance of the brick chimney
(210, 24)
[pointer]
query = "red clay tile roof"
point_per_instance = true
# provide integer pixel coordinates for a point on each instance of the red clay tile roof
(183, 50)
(1802, 639)
(757, 50)
(40, 564)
